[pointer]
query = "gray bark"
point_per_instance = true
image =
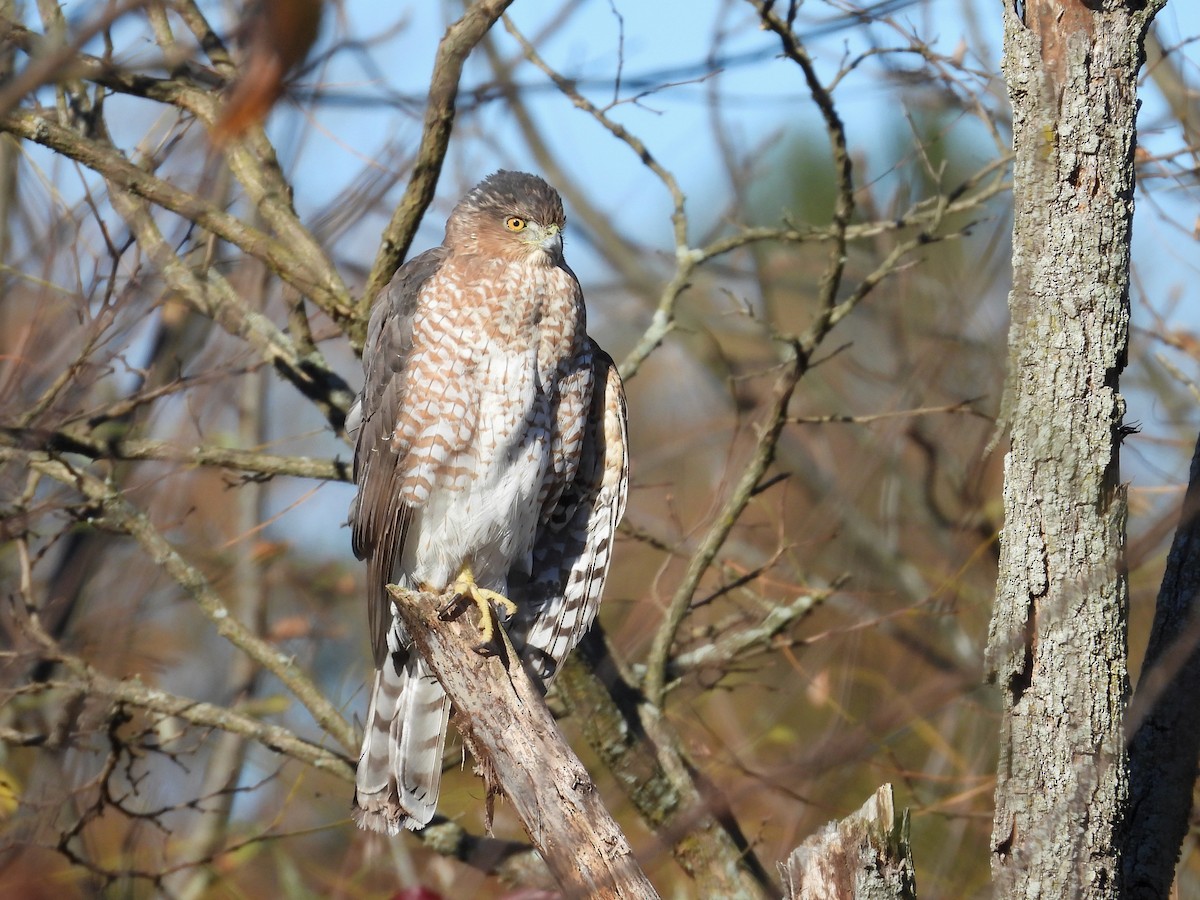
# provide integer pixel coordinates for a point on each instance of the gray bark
(863, 857)
(1057, 643)
(505, 723)
(1162, 718)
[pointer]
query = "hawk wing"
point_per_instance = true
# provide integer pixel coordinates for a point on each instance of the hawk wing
(558, 601)
(378, 517)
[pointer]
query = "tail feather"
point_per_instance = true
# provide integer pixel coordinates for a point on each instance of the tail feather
(400, 768)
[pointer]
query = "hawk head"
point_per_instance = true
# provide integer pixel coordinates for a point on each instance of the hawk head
(511, 217)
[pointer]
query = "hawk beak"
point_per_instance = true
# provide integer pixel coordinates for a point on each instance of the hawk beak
(550, 240)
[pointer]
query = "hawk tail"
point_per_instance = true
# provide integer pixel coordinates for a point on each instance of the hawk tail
(400, 768)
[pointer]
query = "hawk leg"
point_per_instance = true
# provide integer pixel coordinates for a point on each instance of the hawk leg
(467, 592)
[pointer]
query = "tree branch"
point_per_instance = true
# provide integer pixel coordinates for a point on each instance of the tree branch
(655, 682)
(686, 259)
(214, 298)
(843, 211)
(266, 464)
(508, 727)
(108, 162)
(512, 861)
(121, 515)
(456, 45)
(644, 754)
(133, 691)
(734, 645)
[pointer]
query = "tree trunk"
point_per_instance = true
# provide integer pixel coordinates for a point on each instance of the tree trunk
(1162, 719)
(1057, 644)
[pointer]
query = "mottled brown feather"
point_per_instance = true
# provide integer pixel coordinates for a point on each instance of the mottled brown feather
(490, 433)
(378, 518)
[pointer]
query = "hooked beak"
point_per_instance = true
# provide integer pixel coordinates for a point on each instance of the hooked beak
(550, 240)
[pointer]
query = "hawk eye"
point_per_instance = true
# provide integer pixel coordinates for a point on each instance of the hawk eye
(514, 223)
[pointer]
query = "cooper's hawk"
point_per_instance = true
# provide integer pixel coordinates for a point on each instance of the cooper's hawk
(490, 461)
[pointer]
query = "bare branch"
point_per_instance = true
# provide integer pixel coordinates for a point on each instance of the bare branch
(205, 455)
(844, 208)
(107, 161)
(206, 715)
(213, 297)
(47, 67)
(963, 407)
(251, 159)
(645, 755)
(456, 45)
(120, 514)
(515, 862)
(510, 729)
(737, 644)
(655, 681)
(686, 259)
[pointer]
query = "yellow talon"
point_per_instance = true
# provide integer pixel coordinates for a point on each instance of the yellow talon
(465, 589)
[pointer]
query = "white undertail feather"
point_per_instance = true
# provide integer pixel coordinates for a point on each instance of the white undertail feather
(400, 768)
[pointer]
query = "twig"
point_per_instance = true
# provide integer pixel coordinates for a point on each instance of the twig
(107, 161)
(616, 249)
(920, 215)
(208, 833)
(736, 644)
(654, 683)
(256, 167)
(686, 259)
(963, 407)
(204, 455)
(251, 160)
(212, 297)
(207, 715)
(844, 206)
(48, 66)
(645, 755)
(118, 513)
(514, 862)
(457, 43)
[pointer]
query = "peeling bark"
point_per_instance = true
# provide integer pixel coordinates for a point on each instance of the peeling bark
(863, 857)
(511, 732)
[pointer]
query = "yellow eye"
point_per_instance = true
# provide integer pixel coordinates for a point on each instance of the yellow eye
(514, 223)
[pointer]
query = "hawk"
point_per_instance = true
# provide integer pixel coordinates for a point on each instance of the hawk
(491, 463)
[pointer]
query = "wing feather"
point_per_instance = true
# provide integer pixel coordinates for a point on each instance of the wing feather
(378, 518)
(572, 551)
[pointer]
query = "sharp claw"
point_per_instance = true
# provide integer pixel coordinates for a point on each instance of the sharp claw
(487, 648)
(454, 607)
(493, 608)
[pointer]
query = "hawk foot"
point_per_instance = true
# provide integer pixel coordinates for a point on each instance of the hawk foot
(489, 604)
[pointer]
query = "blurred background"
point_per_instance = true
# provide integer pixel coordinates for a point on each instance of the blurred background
(877, 541)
